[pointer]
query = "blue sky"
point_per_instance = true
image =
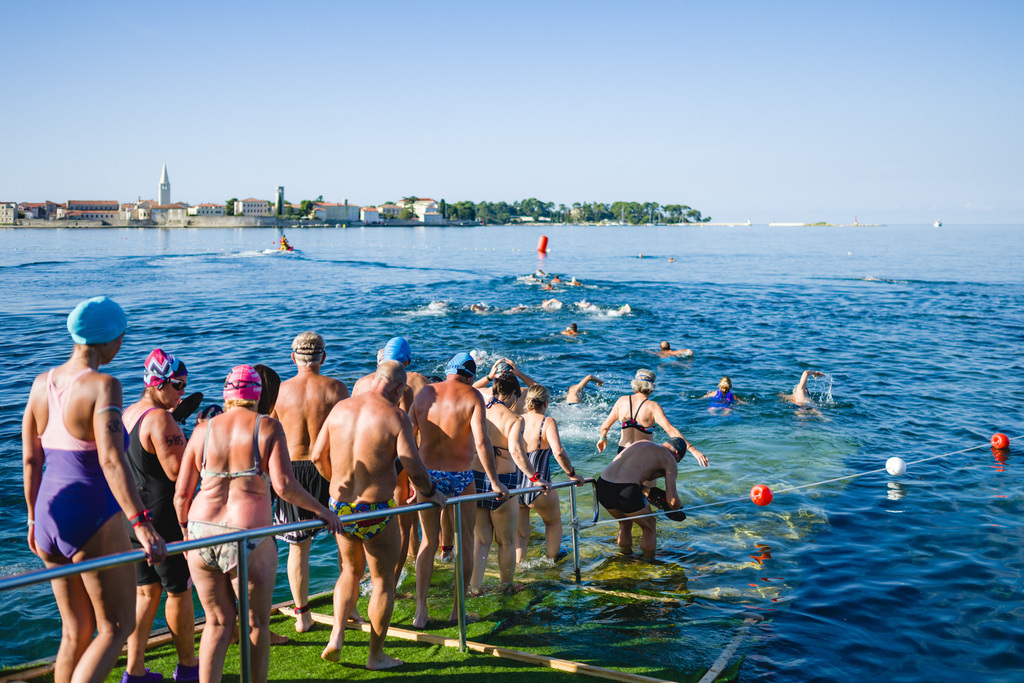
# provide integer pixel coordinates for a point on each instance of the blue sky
(790, 111)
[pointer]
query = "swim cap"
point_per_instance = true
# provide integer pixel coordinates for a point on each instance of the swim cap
(179, 370)
(461, 364)
(243, 384)
(97, 321)
(678, 444)
(398, 349)
(502, 368)
(159, 368)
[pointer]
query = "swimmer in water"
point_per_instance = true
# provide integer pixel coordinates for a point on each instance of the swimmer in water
(665, 350)
(572, 395)
(555, 280)
(800, 396)
(575, 283)
(551, 304)
(671, 259)
(571, 331)
(518, 308)
(478, 308)
(723, 397)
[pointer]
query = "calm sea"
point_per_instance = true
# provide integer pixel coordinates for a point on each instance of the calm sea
(918, 330)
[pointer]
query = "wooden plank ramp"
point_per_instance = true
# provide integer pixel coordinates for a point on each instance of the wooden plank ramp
(504, 653)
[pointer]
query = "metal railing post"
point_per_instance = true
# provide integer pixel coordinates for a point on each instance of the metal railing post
(575, 526)
(245, 670)
(460, 579)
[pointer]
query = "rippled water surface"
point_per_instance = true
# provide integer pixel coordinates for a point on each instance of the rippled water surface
(918, 330)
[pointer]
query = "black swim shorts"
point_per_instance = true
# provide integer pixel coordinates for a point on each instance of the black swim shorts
(626, 498)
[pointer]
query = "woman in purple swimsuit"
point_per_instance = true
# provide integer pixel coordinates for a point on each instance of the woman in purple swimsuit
(73, 424)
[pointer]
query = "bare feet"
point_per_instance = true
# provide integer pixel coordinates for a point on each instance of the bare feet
(383, 662)
(355, 618)
(331, 653)
(278, 639)
(421, 620)
(303, 622)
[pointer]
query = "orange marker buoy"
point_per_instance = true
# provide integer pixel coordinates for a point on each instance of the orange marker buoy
(542, 244)
(761, 495)
(1000, 441)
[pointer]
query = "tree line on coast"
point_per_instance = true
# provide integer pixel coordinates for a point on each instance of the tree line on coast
(631, 213)
(505, 213)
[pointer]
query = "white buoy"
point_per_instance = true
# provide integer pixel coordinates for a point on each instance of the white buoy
(895, 466)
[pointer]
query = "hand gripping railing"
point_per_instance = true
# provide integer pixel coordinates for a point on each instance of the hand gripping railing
(243, 536)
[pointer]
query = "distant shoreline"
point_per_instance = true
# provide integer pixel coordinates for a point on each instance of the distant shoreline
(203, 222)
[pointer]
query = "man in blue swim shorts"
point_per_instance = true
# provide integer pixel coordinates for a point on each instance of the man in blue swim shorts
(360, 466)
(450, 419)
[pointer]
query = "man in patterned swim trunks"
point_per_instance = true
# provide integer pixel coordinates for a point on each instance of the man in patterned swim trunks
(302, 406)
(450, 419)
(360, 465)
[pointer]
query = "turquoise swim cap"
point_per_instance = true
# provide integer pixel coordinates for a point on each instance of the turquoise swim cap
(461, 364)
(97, 321)
(397, 349)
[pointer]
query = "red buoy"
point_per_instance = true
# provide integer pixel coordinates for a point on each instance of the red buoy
(1000, 441)
(542, 244)
(761, 495)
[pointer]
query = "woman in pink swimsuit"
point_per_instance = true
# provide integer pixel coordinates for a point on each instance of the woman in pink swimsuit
(73, 424)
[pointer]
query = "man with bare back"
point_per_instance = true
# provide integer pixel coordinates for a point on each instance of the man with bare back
(356, 450)
(449, 417)
(302, 406)
(398, 349)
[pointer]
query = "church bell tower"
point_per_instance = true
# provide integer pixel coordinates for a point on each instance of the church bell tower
(164, 196)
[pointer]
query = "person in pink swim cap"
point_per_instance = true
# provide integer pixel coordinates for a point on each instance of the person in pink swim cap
(236, 459)
(243, 384)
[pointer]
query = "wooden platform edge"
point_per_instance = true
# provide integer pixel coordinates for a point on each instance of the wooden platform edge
(505, 653)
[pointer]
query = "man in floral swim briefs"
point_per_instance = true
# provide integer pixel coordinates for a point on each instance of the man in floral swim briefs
(360, 465)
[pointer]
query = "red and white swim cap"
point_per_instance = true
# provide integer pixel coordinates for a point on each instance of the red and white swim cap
(243, 384)
(160, 367)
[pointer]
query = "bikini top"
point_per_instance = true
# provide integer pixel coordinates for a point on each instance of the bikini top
(253, 471)
(631, 422)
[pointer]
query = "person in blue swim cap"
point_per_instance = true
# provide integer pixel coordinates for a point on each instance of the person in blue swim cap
(450, 417)
(79, 491)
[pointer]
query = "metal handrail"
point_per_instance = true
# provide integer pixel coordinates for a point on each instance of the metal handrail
(242, 536)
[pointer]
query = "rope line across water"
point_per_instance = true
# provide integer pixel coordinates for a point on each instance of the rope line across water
(788, 489)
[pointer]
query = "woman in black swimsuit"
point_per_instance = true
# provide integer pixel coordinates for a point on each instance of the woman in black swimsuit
(638, 415)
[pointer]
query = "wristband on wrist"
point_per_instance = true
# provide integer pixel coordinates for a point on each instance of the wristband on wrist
(141, 518)
(572, 472)
(433, 490)
(31, 522)
(604, 437)
(535, 477)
